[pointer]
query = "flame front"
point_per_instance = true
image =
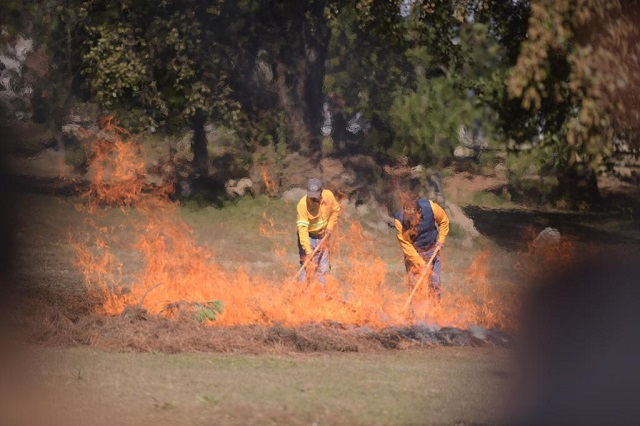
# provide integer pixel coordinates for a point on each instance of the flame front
(177, 275)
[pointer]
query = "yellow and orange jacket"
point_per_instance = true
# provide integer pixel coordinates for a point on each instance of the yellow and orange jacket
(325, 219)
(409, 248)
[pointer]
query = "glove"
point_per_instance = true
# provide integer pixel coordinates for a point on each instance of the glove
(327, 233)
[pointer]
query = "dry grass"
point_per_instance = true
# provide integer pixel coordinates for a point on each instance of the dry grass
(70, 320)
(55, 309)
(438, 386)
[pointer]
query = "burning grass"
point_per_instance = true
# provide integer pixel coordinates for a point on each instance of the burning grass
(148, 285)
(177, 275)
(70, 320)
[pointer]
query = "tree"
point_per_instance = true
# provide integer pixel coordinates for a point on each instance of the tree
(281, 49)
(580, 62)
(422, 71)
(193, 61)
(158, 64)
(53, 25)
(365, 66)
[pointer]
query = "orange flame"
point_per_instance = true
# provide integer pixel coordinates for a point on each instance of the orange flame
(271, 186)
(164, 271)
(269, 229)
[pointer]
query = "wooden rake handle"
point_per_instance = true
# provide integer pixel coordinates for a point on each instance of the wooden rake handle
(427, 270)
(309, 258)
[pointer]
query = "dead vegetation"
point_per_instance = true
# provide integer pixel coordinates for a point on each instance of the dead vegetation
(65, 321)
(53, 319)
(55, 309)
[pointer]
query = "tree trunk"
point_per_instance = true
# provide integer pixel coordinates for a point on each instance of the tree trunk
(316, 45)
(300, 69)
(289, 84)
(199, 145)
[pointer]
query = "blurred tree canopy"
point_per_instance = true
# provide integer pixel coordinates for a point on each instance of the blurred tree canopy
(158, 64)
(394, 78)
(577, 71)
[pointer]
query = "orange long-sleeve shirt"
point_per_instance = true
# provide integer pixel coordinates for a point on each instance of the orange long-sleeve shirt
(410, 252)
(316, 222)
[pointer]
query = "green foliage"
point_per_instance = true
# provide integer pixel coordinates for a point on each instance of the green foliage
(327, 145)
(202, 200)
(364, 60)
(117, 73)
(209, 311)
(576, 71)
(455, 231)
(521, 163)
(533, 173)
(11, 17)
(418, 77)
(266, 157)
(158, 65)
(281, 150)
(267, 129)
(49, 69)
(263, 69)
(426, 121)
(488, 159)
(489, 199)
(225, 138)
(231, 162)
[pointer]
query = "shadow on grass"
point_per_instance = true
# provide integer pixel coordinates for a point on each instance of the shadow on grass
(513, 229)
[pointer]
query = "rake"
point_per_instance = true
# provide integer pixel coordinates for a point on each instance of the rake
(427, 270)
(309, 258)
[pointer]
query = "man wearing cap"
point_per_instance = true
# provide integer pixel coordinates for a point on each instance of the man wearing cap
(422, 227)
(317, 217)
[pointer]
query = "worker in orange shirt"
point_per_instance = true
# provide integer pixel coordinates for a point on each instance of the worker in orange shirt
(422, 227)
(318, 213)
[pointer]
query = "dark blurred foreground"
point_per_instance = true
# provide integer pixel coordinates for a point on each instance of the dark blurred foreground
(578, 360)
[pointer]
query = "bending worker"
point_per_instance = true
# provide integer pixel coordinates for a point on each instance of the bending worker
(422, 227)
(317, 217)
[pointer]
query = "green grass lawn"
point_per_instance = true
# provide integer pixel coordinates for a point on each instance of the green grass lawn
(432, 386)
